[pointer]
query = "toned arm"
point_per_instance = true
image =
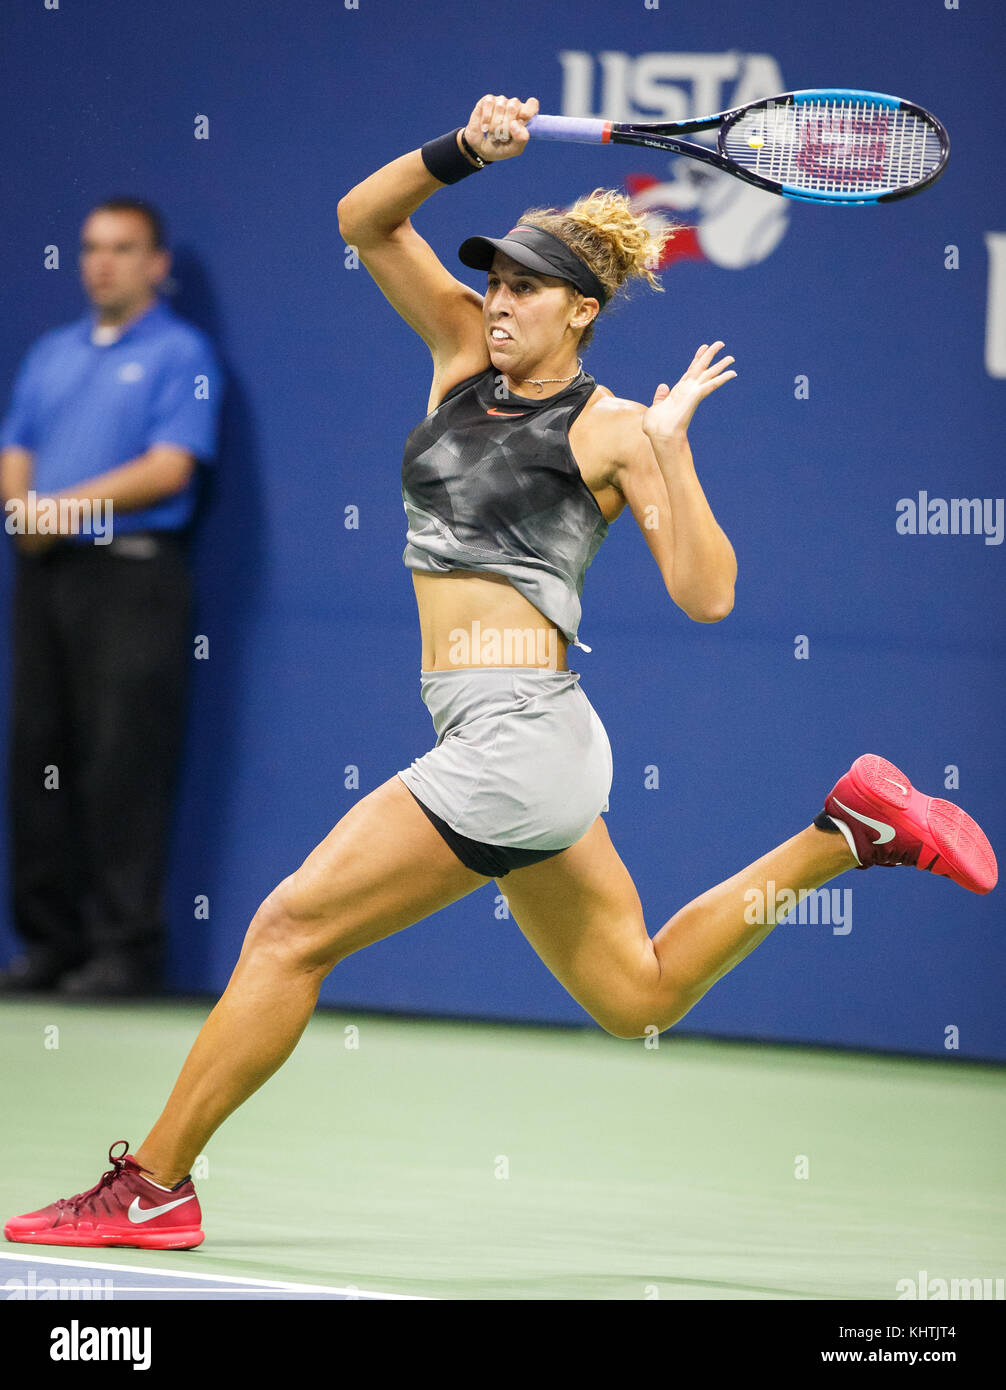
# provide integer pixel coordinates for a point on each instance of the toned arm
(659, 482)
(374, 217)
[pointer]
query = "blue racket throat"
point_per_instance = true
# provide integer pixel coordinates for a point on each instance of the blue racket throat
(832, 145)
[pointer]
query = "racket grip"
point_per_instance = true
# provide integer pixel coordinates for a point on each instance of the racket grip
(582, 129)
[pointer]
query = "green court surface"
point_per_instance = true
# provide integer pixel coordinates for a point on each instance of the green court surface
(473, 1161)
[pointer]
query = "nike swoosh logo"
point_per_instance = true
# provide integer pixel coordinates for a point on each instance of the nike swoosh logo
(138, 1214)
(884, 832)
(506, 412)
(896, 784)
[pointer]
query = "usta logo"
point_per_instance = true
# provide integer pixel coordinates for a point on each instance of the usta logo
(735, 225)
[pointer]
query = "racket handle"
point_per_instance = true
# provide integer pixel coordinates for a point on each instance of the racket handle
(582, 129)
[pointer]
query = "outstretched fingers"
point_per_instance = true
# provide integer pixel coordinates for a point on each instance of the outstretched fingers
(708, 372)
(714, 382)
(705, 355)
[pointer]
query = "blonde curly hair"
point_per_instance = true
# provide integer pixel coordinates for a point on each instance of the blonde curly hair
(618, 244)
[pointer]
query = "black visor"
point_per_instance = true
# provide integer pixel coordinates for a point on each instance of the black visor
(538, 250)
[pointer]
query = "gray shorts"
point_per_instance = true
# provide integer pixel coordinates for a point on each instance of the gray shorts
(521, 761)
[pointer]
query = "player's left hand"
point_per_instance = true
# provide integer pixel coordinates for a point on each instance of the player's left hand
(672, 410)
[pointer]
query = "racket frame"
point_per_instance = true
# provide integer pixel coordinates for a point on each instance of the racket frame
(665, 136)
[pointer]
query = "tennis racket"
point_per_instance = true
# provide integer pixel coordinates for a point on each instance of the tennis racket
(831, 145)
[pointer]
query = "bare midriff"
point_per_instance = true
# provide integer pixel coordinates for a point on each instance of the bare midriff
(470, 620)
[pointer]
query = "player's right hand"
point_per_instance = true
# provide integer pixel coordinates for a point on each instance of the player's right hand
(497, 128)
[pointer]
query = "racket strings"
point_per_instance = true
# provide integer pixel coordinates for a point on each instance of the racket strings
(830, 146)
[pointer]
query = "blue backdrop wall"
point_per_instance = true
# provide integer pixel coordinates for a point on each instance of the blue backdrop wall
(871, 352)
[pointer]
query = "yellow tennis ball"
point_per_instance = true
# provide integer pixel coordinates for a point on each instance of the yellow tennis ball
(756, 142)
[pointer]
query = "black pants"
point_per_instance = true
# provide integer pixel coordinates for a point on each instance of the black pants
(101, 651)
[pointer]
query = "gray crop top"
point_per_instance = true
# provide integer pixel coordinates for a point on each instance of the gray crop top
(491, 484)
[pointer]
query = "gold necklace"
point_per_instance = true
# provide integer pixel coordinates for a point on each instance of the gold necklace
(551, 380)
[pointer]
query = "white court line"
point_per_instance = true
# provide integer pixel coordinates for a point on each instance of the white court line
(216, 1289)
(229, 1279)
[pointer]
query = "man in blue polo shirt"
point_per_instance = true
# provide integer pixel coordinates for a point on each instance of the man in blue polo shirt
(108, 419)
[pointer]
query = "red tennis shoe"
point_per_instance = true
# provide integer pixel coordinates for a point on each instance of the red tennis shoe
(124, 1208)
(886, 821)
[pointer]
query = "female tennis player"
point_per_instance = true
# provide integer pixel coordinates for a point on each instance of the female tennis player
(509, 483)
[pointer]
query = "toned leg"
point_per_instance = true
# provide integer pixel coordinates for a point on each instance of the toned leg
(581, 913)
(382, 868)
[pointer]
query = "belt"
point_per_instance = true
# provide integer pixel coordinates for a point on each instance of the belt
(141, 545)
